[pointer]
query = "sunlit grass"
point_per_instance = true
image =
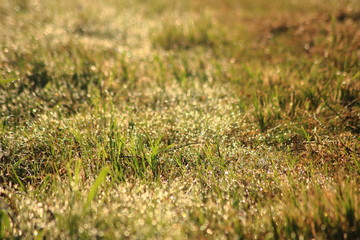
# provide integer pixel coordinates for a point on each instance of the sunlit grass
(179, 119)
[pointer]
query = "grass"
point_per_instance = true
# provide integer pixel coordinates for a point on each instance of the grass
(179, 119)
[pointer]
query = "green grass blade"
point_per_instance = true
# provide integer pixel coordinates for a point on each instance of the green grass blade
(4, 81)
(4, 224)
(95, 186)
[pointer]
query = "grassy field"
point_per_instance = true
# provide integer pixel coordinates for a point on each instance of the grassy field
(191, 119)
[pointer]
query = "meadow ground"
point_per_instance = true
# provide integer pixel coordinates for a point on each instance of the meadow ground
(192, 119)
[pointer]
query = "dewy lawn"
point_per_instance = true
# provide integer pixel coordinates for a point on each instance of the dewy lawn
(186, 119)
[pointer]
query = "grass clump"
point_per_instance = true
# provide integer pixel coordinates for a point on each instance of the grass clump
(181, 35)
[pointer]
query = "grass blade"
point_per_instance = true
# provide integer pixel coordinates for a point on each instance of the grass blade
(95, 186)
(3, 81)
